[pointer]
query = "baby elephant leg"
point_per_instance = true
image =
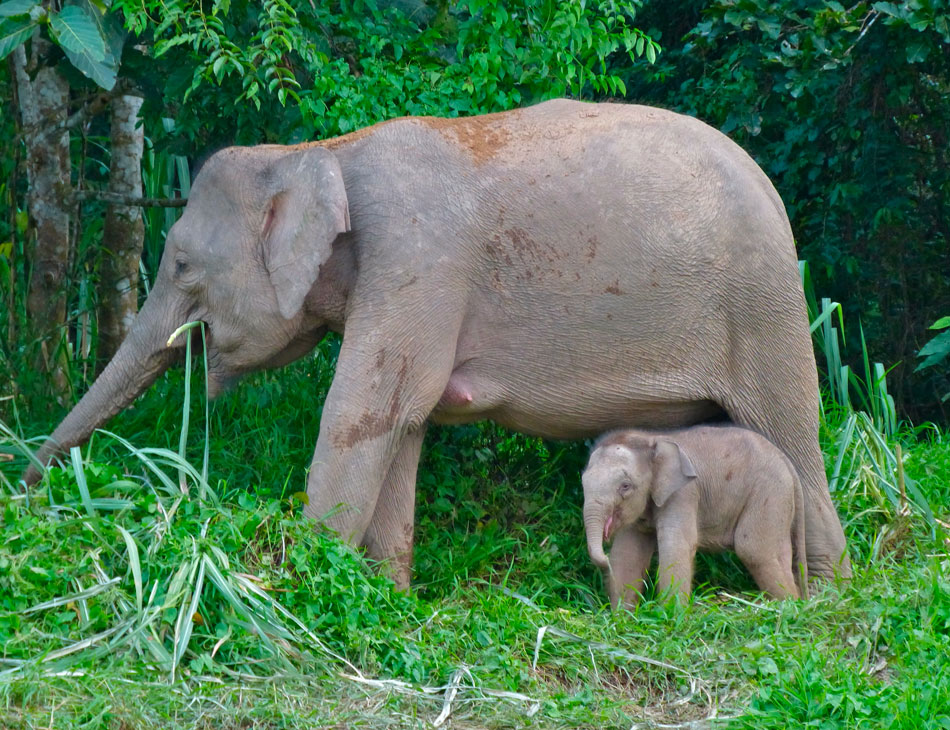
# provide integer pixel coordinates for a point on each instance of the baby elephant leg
(764, 545)
(676, 554)
(630, 557)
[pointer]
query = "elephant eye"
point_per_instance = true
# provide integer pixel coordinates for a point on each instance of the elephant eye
(180, 267)
(626, 488)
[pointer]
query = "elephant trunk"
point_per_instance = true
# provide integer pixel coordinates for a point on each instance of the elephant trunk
(141, 358)
(594, 519)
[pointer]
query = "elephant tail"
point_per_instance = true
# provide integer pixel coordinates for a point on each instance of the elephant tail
(799, 561)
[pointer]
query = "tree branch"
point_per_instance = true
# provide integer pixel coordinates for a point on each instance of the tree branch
(129, 200)
(93, 107)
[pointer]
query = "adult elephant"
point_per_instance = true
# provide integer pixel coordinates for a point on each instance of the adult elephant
(563, 269)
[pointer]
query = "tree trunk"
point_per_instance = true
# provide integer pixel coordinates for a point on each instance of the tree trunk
(124, 232)
(44, 106)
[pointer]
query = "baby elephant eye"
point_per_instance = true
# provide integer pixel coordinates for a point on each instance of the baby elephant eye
(626, 488)
(180, 267)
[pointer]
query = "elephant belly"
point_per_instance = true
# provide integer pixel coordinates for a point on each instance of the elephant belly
(563, 412)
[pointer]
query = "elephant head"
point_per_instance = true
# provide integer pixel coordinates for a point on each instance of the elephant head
(259, 224)
(622, 478)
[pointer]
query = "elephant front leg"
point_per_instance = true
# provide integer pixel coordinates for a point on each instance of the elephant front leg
(388, 379)
(389, 536)
(676, 551)
(630, 557)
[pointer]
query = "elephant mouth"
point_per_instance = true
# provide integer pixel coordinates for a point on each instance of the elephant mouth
(220, 377)
(609, 526)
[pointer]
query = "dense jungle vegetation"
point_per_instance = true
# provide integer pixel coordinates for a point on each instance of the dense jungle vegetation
(143, 586)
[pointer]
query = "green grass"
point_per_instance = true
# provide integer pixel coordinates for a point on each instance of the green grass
(229, 610)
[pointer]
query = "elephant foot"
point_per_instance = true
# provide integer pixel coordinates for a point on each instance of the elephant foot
(826, 568)
(398, 567)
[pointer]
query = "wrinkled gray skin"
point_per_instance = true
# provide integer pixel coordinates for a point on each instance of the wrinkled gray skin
(710, 488)
(564, 270)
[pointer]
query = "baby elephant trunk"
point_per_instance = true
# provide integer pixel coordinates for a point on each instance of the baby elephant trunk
(594, 518)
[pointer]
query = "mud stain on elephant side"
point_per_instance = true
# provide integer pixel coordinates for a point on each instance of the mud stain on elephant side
(523, 243)
(497, 251)
(370, 426)
(592, 244)
(373, 424)
(539, 260)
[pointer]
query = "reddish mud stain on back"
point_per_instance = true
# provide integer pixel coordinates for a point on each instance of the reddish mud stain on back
(482, 137)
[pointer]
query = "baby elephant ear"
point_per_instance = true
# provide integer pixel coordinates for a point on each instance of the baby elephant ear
(672, 470)
(306, 210)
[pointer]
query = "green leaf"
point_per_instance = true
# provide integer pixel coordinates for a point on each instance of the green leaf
(99, 60)
(103, 74)
(76, 457)
(935, 351)
(75, 31)
(887, 9)
(109, 26)
(917, 51)
(134, 564)
(940, 323)
(217, 66)
(15, 8)
(13, 33)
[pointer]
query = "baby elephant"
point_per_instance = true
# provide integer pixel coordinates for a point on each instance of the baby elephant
(709, 488)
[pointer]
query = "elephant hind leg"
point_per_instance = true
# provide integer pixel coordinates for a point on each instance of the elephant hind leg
(772, 572)
(389, 536)
(763, 543)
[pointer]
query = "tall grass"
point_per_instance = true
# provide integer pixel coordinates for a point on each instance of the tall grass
(859, 414)
(181, 578)
(171, 574)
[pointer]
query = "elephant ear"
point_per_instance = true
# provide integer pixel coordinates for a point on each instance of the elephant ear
(672, 470)
(306, 210)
